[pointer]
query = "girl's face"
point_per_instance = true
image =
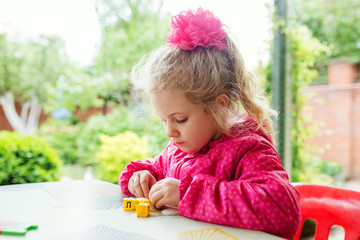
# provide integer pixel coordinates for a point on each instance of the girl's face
(185, 123)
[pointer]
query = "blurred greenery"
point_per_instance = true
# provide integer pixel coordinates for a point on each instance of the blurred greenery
(131, 29)
(79, 143)
(62, 138)
(40, 68)
(28, 68)
(117, 151)
(27, 159)
(335, 24)
(304, 50)
(321, 30)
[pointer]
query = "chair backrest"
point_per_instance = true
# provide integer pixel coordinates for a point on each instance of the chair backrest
(329, 206)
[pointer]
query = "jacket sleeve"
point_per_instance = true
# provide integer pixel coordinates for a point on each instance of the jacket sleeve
(260, 197)
(157, 166)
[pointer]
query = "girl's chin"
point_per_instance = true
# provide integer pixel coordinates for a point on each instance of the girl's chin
(188, 150)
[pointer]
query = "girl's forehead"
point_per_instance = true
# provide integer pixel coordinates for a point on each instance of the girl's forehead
(168, 94)
(168, 98)
(169, 102)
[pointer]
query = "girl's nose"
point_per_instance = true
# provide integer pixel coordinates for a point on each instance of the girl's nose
(171, 132)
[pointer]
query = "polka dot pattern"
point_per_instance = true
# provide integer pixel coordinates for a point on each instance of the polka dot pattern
(235, 181)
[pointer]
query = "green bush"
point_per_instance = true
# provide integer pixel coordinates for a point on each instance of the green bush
(117, 151)
(316, 170)
(77, 144)
(26, 159)
(63, 139)
(121, 119)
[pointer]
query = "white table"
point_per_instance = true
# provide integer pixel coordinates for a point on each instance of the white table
(94, 210)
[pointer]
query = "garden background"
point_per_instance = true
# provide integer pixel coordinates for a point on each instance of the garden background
(66, 119)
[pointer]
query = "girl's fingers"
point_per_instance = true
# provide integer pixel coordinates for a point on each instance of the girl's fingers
(137, 187)
(160, 203)
(155, 188)
(131, 185)
(156, 193)
(144, 184)
(140, 183)
(152, 181)
(155, 197)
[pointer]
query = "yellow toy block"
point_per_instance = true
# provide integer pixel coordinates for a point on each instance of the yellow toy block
(130, 204)
(142, 200)
(143, 209)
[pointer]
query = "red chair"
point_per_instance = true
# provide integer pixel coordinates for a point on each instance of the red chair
(329, 206)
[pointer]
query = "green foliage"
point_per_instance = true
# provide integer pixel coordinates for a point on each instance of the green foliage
(318, 171)
(335, 23)
(63, 139)
(304, 51)
(137, 120)
(131, 29)
(28, 68)
(26, 159)
(79, 143)
(41, 68)
(75, 88)
(117, 151)
(10, 64)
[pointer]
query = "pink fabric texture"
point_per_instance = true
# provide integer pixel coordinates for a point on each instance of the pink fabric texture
(236, 181)
(191, 29)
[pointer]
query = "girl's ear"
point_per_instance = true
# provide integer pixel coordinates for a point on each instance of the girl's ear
(223, 100)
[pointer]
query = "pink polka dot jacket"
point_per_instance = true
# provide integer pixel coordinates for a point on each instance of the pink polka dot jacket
(236, 181)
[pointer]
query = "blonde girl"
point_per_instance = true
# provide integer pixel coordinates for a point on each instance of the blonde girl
(220, 165)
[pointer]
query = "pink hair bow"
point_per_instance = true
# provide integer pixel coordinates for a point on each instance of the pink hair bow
(191, 29)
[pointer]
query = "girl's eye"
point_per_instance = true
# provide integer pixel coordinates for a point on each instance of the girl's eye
(182, 120)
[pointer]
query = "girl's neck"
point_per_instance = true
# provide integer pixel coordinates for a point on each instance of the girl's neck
(217, 136)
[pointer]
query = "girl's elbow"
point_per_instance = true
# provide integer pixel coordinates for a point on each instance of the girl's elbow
(289, 225)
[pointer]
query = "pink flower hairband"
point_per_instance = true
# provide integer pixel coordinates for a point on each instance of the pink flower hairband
(191, 29)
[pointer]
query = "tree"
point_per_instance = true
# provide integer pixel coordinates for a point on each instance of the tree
(27, 69)
(76, 87)
(335, 23)
(131, 28)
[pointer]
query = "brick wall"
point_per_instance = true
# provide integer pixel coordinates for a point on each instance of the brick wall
(336, 109)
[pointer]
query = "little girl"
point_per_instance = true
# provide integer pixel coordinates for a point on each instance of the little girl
(220, 165)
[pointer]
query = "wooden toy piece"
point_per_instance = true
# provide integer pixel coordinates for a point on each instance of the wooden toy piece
(142, 200)
(143, 209)
(13, 228)
(130, 204)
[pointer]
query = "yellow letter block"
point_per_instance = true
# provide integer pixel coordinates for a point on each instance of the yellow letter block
(130, 204)
(142, 200)
(143, 209)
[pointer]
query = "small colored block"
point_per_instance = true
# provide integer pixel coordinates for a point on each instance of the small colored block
(143, 210)
(130, 204)
(12, 228)
(142, 200)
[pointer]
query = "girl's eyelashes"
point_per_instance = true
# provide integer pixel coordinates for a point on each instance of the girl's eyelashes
(182, 120)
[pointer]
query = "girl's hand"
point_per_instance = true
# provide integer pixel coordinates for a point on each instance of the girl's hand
(165, 192)
(140, 183)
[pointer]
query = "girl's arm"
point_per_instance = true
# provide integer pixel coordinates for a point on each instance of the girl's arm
(156, 166)
(260, 197)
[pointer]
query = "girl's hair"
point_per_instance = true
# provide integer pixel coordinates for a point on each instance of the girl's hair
(203, 74)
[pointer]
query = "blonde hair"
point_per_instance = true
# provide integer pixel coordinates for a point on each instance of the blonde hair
(203, 74)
